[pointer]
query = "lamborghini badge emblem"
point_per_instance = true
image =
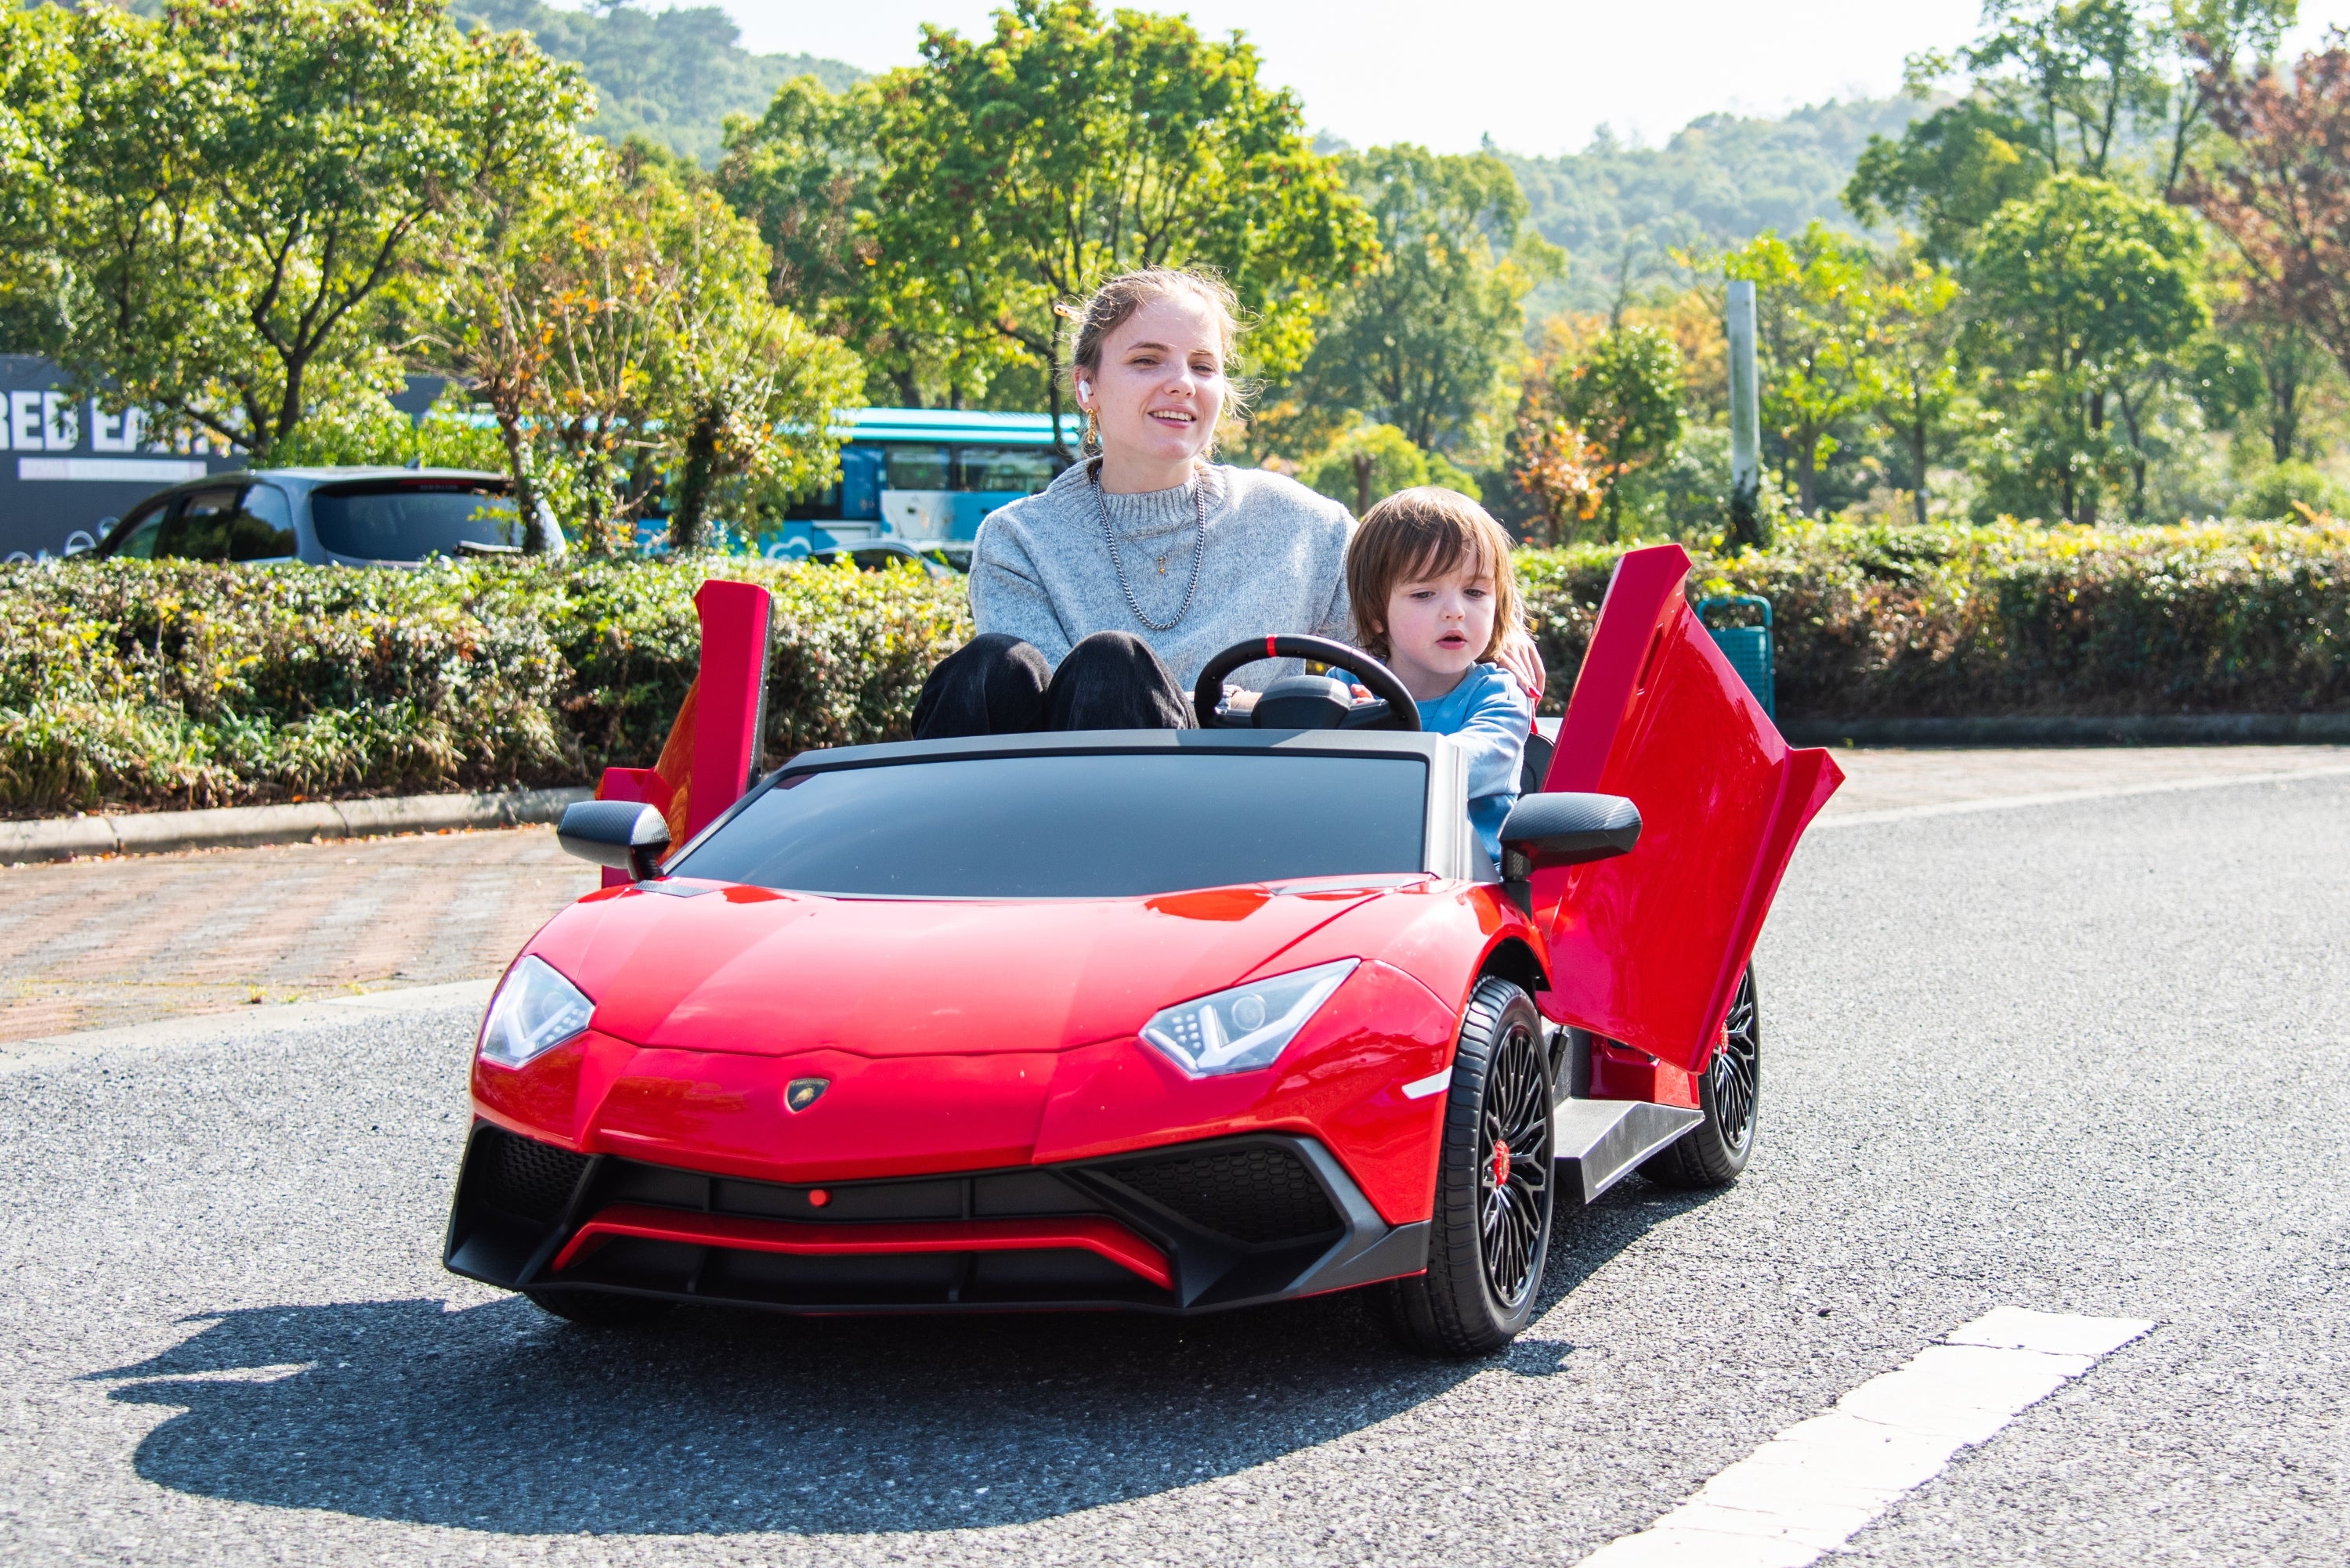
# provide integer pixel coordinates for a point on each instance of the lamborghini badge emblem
(802, 1093)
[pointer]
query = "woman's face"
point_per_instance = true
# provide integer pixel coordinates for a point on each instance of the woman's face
(1159, 389)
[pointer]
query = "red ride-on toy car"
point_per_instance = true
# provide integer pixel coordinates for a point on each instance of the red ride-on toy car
(1167, 1020)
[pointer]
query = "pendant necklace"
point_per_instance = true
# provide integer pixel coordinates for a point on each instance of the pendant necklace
(1199, 549)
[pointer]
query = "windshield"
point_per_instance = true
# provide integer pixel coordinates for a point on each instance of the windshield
(407, 521)
(1074, 825)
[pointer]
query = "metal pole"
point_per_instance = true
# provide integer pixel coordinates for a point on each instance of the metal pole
(1745, 421)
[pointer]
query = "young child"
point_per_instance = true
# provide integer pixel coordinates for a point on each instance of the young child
(1429, 574)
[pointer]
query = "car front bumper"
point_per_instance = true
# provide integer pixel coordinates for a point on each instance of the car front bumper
(1184, 1228)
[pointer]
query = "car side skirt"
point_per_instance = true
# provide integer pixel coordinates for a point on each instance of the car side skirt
(1181, 1229)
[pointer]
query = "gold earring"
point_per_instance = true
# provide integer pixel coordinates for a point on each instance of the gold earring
(1092, 438)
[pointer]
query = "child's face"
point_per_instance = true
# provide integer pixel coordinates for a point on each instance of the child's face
(1437, 626)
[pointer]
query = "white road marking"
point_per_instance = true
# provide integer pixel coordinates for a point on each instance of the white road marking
(2062, 797)
(1812, 1488)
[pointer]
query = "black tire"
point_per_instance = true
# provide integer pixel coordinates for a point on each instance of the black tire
(1489, 1240)
(599, 1309)
(1714, 1152)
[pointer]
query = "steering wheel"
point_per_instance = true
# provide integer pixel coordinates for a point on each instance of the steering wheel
(1316, 703)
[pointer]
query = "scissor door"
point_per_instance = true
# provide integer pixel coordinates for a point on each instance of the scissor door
(1647, 948)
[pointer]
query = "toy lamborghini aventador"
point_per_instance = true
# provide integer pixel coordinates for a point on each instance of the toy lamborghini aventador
(1161, 1020)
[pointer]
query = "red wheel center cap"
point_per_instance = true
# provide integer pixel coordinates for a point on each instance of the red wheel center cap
(1500, 1164)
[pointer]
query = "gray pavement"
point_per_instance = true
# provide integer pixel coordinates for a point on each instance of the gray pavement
(2081, 1056)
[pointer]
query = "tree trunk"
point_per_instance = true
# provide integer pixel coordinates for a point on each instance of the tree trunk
(1363, 465)
(2284, 408)
(694, 485)
(1053, 396)
(2088, 514)
(1917, 456)
(525, 482)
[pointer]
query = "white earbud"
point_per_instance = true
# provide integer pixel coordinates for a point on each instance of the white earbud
(1084, 389)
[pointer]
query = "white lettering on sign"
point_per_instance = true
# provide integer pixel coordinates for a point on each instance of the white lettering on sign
(25, 421)
(61, 421)
(113, 432)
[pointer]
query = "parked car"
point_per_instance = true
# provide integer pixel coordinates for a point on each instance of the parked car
(1166, 1021)
(326, 516)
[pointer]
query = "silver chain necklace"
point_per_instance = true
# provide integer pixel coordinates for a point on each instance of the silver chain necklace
(1199, 550)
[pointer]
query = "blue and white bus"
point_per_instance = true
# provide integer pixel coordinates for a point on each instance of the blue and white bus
(924, 478)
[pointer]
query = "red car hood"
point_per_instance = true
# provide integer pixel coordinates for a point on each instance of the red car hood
(749, 971)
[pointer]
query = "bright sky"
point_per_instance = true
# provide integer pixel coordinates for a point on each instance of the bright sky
(1535, 75)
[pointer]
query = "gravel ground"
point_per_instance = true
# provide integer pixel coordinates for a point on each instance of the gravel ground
(2083, 1058)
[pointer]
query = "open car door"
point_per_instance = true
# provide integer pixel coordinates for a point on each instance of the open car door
(1647, 948)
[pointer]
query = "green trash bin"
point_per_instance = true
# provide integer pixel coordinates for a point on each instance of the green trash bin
(1748, 648)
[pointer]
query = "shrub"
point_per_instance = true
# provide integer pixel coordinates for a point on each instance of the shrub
(126, 683)
(1889, 622)
(179, 684)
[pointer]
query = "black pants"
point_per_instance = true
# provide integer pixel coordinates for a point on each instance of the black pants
(996, 684)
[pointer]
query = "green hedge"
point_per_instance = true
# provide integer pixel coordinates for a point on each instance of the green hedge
(177, 685)
(2019, 618)
(180, 685)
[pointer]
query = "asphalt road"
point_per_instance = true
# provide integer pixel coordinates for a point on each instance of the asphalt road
(2085, 1057)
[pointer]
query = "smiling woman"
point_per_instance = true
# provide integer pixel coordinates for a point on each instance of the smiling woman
(1098, 600)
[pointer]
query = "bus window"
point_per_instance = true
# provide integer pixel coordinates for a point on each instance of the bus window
(1017, 471)
(918, 468)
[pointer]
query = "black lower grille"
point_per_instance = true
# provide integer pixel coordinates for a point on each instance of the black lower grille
(1263, 1193)
(526, 1177)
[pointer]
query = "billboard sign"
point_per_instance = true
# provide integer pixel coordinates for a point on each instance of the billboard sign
(68, 469)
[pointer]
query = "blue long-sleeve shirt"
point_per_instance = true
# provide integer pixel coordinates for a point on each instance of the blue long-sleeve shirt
(1488, 716)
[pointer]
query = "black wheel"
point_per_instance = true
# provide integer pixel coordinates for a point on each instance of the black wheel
(1494, 1187)
(1714, 1152)
(598, 1309)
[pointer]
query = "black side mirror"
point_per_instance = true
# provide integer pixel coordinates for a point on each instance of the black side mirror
(1559, 828)
(620, 834)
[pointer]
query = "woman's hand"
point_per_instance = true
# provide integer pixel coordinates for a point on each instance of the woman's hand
(1521, 658)
(1239, 699)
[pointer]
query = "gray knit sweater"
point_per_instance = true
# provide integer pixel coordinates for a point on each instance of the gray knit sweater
(1276, 561)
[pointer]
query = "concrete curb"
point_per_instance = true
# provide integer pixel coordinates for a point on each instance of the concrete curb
(2136, 729)
(242, 1024)
(157, 833)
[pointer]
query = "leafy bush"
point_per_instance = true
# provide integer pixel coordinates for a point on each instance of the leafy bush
(175, 684)
(2008, 619)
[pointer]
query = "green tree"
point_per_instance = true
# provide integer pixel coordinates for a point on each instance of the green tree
(1422, 339)
(2082, 298)
(1624, 397)
(1367, 464)
(619, 329)
(1815, 310)
(750, 393)
(242, 182)
(1909, 364)
(39, 85)
(806, 174)
(1947, 174)
(1023, 168)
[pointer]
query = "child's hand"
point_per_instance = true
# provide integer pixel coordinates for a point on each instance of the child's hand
(1240, 699)
(1522, 659)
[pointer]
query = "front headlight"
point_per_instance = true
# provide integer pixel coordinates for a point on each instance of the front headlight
(1247, 1026)
(535, 1011)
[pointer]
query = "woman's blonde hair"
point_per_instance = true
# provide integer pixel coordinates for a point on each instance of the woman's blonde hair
(1424, 532)
(1111, 305)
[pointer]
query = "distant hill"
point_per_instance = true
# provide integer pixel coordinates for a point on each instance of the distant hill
(1721, 180)
(671, 76)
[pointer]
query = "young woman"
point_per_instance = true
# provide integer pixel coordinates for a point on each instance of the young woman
(1098, 600)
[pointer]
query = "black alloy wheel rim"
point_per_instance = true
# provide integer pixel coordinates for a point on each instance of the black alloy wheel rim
(1513, 1169)
(1737, 1068)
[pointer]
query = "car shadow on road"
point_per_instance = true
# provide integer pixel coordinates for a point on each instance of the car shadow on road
(497, 1418)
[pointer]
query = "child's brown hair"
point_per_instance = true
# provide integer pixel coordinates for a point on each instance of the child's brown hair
(1422, 532)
